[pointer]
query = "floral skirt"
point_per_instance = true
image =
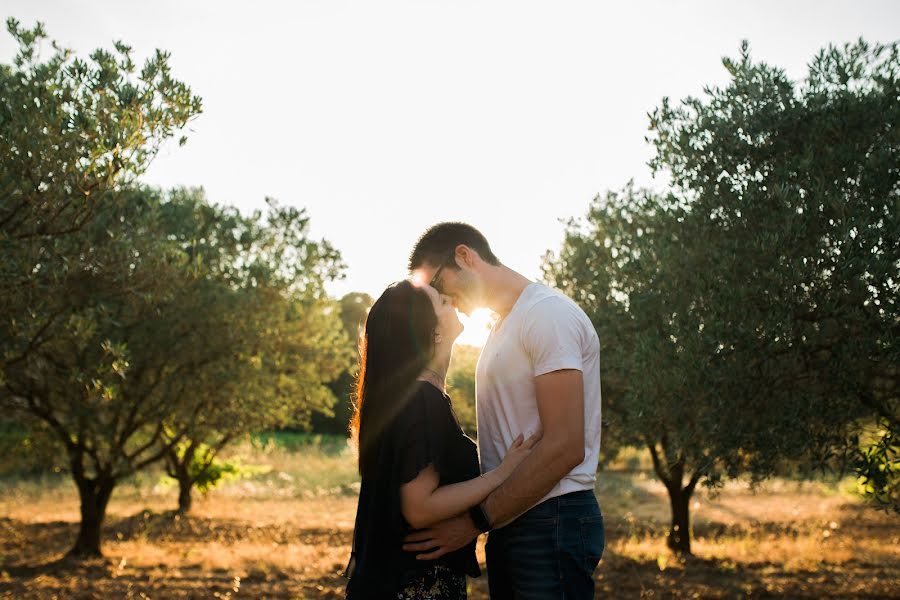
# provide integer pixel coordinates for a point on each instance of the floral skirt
(436, 582)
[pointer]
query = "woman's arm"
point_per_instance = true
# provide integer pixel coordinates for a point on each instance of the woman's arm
(423, 502)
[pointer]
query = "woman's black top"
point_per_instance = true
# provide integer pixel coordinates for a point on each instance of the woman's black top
(424, 432)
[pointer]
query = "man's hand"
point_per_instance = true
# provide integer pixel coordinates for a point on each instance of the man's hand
(441, 538)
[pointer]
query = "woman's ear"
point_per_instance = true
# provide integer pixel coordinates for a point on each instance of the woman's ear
(438, 337)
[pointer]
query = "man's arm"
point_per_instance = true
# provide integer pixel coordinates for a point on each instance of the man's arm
(560, 402)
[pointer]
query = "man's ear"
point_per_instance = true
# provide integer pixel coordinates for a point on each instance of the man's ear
(466, 255)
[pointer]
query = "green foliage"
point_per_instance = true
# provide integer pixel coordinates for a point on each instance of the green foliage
(788, 198)
(461, 386)
(353, 310)
(134, 320)
(299, 441)
(73, 134)
(277, 341)
(878, 469)
(206, 471)
(750, 314)
(28, 449)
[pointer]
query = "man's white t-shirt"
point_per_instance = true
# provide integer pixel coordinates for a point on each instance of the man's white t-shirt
(545, 331)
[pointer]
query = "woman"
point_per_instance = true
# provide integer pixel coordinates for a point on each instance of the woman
(417, 465)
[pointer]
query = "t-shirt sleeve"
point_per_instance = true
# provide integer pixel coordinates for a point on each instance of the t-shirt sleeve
(422, 435)
(553, 337)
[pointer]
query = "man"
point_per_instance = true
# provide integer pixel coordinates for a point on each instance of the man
(540, 368)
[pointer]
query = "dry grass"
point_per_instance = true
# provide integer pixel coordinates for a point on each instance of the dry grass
(286, 534)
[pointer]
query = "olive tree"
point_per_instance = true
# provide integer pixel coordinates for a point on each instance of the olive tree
(74, 134)
(749, 313)
(789, 206)
(282, 339)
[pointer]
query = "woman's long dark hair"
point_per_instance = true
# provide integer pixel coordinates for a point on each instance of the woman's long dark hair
(396, 346)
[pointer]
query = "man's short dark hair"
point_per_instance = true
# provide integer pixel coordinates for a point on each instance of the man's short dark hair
(438, 243)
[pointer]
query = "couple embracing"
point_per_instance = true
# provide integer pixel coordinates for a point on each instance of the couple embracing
(425, 495)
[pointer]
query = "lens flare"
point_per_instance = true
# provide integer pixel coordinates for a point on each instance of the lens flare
(478, 326)
(418, 279)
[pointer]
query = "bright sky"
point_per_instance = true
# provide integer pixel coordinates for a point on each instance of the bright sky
(384, 117)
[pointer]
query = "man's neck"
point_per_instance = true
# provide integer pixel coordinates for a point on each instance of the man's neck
(504, 288)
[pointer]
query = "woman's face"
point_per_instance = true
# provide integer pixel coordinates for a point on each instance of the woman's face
(449, 325)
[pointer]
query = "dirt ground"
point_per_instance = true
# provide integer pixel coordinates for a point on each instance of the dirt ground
(784, 541)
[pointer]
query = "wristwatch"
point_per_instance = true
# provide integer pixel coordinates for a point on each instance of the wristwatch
(480, 518)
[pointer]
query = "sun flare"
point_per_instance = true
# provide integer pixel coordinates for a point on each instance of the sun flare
(417, 278)
(478, 326)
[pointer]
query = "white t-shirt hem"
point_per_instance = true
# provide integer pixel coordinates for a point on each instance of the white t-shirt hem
(562, 365)
(562, 488)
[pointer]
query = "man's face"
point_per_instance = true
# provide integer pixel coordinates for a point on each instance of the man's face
(459, 283)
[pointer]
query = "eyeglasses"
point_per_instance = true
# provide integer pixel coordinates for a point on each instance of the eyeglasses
(437, 274)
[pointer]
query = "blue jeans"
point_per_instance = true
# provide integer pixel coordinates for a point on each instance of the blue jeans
(550, 552)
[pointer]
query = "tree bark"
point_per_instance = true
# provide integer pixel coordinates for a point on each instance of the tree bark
(185, 501)
(679, 538)
(672, 476)
(94, 494)
(179, 468)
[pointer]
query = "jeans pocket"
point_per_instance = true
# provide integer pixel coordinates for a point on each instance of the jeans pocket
(593, 540)
(539, 531)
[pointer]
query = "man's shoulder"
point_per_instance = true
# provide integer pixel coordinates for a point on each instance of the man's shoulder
(552, 312)
(546, 301)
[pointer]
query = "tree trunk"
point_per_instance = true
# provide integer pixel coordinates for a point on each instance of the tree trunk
(94, 494)
(672, 475)
(679, 539)
(178, 467)
(185, 485)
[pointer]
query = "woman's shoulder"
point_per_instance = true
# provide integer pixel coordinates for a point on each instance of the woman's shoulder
(428, 389)
(425, 402)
